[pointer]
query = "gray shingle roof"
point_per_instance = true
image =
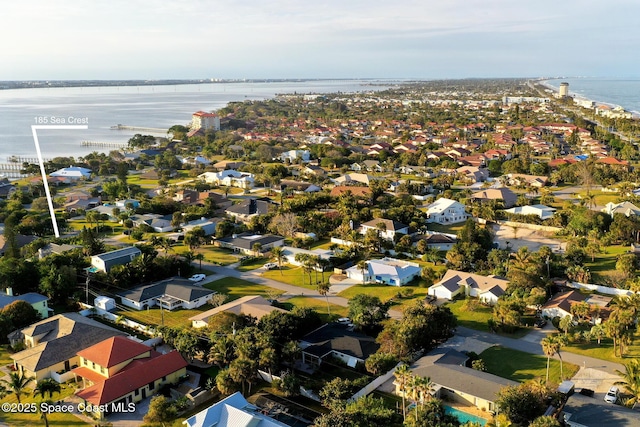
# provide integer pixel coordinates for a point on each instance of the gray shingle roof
(181, 289)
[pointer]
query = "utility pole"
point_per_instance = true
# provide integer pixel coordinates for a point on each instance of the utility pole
(86, 289)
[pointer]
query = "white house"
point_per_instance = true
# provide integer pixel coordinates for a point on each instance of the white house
(542, 211)
(625, 208)
(386, 227)
(290, 253)
(229, 178)
(105, 261)
(232, 411)
(486, 288)
(560, 304)
(293, 156)
(72, 172)
(389, 271)
(446, 211)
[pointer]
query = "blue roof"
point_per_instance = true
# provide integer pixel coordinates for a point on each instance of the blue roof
(31, 298)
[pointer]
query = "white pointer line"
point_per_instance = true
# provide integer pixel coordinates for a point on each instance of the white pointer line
(34, 129)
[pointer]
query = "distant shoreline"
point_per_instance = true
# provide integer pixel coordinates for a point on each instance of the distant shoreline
(41, 84)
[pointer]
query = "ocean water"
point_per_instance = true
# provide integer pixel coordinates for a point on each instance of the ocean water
(622, 92)
(141, 106)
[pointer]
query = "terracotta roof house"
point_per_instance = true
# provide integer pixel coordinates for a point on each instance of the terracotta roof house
(505, 195)
(337, 340)
(232, 411)
(486, 288)
(560, 304)
(250, 305)
(169, 294)
(356, 191)
(454, 381)
(120, 371)
(387, 228)
(52, 345)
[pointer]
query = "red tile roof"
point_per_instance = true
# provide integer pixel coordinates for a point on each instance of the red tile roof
(133, 377)
(113, 351)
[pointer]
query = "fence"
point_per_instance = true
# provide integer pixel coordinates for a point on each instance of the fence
(120, 320)
(374, 384)
(303, 391)
(599, 288)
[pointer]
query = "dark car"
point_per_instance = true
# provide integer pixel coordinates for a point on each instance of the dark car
(540, 323)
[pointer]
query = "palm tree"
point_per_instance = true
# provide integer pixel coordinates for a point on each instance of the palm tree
(631, 381)
(47, 386)
(362, 265)
(277, 254)
(403, 377)
(323, 289)
(17, 383)
(199, 257)
(550, 347)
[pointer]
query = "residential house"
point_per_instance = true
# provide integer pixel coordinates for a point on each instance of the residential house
(195, 161)
(52, 248)
(541, 211)
(169, 294)
(105, 261)
(229, 178)
(248, 208)
(339, 341)
(504, 195)
(293, 156)
(232, 411)
(228, 164)
(486, 288)
(312, 170)
(72, 173)
(289, 254)
(560, 304)
(250, 305)
(80, 200)
(6, 188)
(585, 411)
(354, 178)
(437, 241)
(527, 180)
(37, 301)
(472, 174)
(52, 345)
(356, 191)
(288, 186)
(446, 211)
(452, 380)
(247, 242)
(625, 208)
(386, 227)
(21, 240)
(120, 371)
(388, 271)
(159, 223)
(208, 225)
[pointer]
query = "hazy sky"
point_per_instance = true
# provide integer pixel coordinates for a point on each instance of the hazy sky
(145, 39)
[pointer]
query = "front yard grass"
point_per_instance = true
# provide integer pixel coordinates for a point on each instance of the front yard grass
(520, 366)
(294, 276)
(605, 349)
(154, 316)
(399, 295)
(211, 253)
(605, 263)
(252, 263)
(236, 288)
(476, 319)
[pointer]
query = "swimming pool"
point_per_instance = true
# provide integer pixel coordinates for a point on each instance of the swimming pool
(464, 417)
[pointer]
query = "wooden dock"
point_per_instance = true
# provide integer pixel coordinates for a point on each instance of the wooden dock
(103, 144)
(140, 128)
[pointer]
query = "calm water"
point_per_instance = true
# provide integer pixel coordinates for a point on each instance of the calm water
(623, 92)
(145, 106)
(464, 417)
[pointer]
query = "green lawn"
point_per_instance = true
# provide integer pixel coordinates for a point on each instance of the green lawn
(605, 349)
(294, 276)
(155, 316)
(252, 264)
(450, 229)
(386, 293)
(237, 288)
(476, 319)
(605, 263)
(321, 244)
(30, 419)
(211, 253)
(520, 366)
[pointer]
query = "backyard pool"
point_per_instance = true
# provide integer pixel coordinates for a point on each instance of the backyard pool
(464, 417)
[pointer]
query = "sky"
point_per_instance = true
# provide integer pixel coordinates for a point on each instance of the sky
(422, 39)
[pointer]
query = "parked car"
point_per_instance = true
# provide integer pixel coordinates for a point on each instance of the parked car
(197, 277)
(612, 395)
(270, 266)
(540, 323)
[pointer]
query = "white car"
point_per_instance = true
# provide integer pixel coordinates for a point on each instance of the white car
(270, 266)
(197, 277)
(612, 395)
